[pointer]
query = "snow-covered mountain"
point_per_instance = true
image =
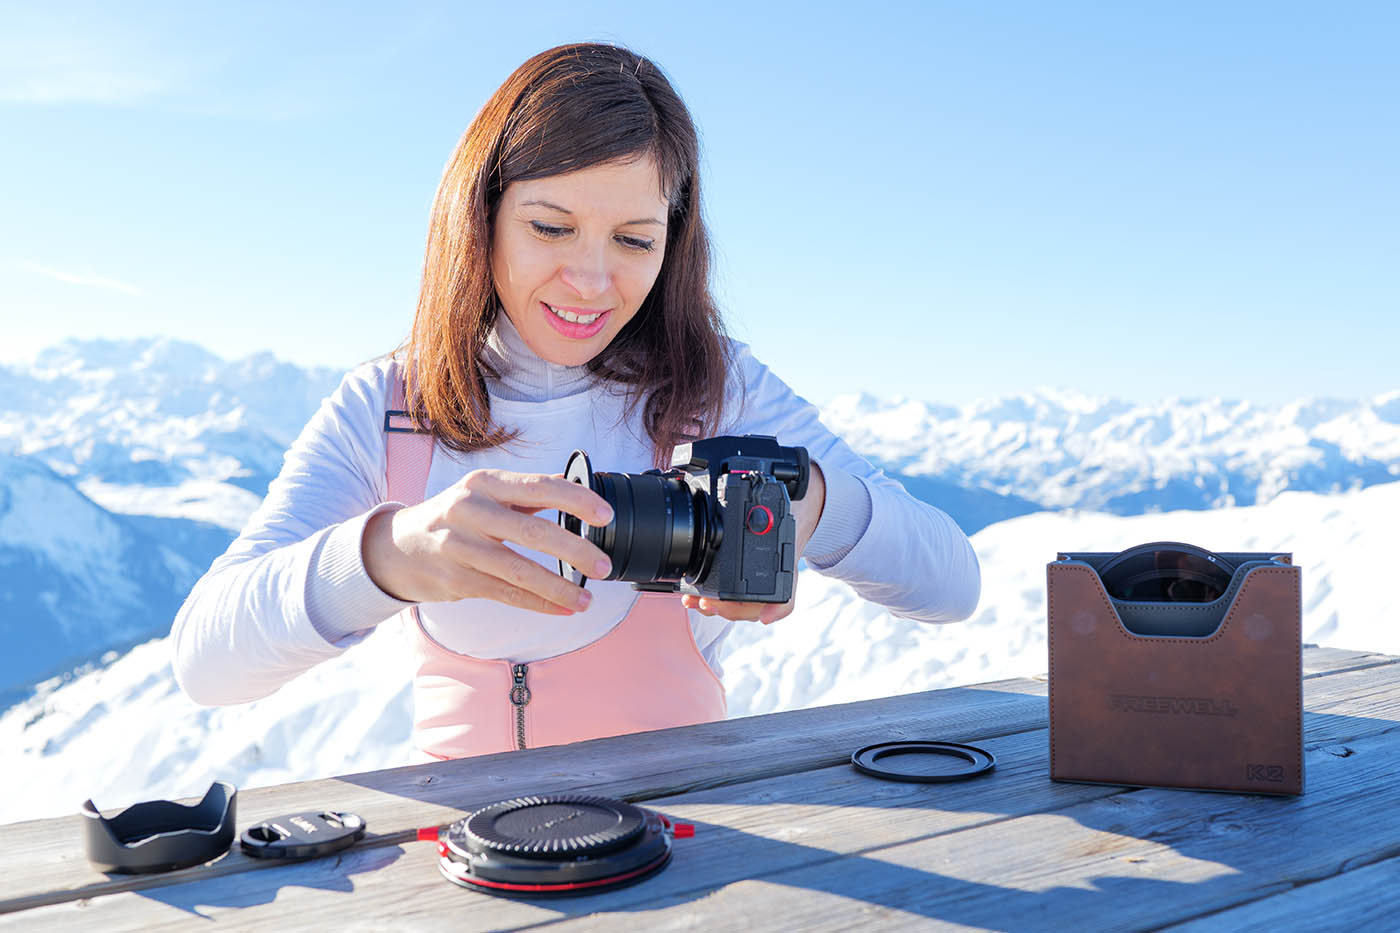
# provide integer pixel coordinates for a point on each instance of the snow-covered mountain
(127, 466)
(1056, 450)
(76, 576)
(123, 732)
(159, 424)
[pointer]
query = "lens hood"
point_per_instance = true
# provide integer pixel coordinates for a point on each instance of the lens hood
(161, 835)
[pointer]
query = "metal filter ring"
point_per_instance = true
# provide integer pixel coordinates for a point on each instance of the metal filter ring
(866, 760)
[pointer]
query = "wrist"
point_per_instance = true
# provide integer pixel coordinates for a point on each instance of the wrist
(809, 508)
(846, 514)
(381, 556)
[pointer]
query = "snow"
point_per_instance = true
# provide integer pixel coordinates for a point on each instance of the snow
(126, 466)
(123, 732)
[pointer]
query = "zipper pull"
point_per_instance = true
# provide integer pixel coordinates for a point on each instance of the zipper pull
(519, 698)
(520, 694)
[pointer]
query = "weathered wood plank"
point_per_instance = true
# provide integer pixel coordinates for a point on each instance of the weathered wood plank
(1130, 861)
(783, 821)
(807, 822)
(42, 861)
(46, 865)
(1365, 898)
(1319, 661)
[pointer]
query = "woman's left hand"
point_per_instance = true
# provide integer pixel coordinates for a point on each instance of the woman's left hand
(807, 511)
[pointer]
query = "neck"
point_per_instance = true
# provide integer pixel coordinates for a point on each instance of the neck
(524, 376)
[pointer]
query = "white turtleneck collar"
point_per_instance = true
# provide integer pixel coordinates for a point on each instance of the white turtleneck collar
(524, 376)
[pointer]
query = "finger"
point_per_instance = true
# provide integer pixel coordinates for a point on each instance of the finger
(545, 536)
(733, 610)
(545, 492)
(775, 611)
(484, 586)
(509, 569)
(694, 602)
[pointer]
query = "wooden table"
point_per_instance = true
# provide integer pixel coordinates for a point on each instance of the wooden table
(789, 836)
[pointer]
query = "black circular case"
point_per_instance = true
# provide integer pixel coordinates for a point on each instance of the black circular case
(558, 844)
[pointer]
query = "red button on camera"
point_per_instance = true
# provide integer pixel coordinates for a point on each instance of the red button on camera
(759, 520)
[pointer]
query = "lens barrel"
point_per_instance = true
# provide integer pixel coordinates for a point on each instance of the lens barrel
(660, 528)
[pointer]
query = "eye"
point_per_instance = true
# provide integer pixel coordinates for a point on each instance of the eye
(549, 231)
(640, 244)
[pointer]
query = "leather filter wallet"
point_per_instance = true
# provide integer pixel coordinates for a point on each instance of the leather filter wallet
(1211, 699)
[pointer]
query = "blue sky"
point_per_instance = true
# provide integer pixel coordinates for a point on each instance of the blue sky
(942, 200)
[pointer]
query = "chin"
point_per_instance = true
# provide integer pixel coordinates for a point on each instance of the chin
(572, 355)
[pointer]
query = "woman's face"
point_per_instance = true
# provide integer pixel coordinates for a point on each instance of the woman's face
(575, 255)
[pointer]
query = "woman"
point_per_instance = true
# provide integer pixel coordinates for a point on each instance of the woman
(565, 304)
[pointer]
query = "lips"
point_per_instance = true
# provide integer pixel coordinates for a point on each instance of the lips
(585, 322)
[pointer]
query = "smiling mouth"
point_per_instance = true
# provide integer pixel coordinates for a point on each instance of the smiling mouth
(572, 317)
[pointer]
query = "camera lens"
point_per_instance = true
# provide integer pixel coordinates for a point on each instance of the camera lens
(657, 528)
(660, 528)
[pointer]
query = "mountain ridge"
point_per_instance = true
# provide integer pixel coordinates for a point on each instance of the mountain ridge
(163, 449)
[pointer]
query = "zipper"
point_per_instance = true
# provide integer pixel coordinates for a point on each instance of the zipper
(520, 698)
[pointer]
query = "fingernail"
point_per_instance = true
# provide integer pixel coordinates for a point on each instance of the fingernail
(602, 568)
(605, 515)
(584, 599)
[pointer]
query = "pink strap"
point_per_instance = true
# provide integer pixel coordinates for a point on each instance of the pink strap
(408, 451)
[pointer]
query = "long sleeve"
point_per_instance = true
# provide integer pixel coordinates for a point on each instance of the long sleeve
(909, 556)
(292, 590)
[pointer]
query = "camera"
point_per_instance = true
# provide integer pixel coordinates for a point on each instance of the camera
(718, 524)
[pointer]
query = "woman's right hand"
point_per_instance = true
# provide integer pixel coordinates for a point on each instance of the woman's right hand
(453, 545)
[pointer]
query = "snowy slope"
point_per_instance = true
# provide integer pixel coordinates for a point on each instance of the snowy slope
(126, 467)
(1058, 450)
(159, 426)
(123, 732)
(154, 453)
(78, 579)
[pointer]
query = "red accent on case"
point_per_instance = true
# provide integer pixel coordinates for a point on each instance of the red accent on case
(565, 886)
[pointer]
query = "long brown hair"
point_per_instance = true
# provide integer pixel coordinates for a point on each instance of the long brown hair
(569, 108)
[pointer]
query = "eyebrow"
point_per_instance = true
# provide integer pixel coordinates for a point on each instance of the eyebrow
(550, 205)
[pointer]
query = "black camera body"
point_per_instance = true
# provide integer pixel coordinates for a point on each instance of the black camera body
(718, 524)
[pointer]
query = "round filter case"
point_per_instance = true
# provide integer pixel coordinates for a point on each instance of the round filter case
(555, 844)
(923, 762)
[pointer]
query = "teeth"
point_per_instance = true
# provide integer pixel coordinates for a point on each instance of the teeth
(575, 318)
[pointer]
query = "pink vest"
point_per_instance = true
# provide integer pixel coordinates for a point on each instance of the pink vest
(646, 673)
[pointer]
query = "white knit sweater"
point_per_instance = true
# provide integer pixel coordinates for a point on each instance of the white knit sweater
(292, 590)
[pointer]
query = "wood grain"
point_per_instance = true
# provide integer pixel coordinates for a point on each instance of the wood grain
(836, 849)
(1364, 898)
(778, 822)
(1129, 861)
(42, 861)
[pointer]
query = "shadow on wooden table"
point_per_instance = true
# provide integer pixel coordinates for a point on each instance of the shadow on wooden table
(786, 826)
(840, 849)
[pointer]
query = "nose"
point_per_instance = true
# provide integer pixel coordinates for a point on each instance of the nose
(586, 271)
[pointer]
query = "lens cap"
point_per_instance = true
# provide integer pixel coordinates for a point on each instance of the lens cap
(920, 767)
(302, 835)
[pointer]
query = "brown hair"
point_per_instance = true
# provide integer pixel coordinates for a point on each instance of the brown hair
(569, 108)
